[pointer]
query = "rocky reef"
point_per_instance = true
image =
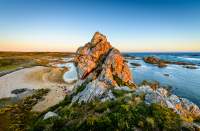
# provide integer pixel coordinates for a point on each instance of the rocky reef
(155, 61)
(100, 67)
(163, 63)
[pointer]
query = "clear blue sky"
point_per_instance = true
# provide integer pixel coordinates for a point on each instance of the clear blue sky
(64, 25)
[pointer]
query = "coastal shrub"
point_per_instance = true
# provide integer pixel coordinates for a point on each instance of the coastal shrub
(95, 123)
(12, 61)
(150, 122)
(165, 117)
(19, 115)
(119, 93)
(80, 88)
(101, 107)
(120, 82)
(51, 124)
(127, 117)
(153, 84)
(197, 120)
(119, 114)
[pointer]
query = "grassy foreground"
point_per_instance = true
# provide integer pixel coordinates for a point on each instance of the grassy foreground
(127, 112)
(18, 116)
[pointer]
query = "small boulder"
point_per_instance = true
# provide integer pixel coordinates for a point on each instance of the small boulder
(163, 92)
(162, 64)
(166, 75)
(190, 67)
(151, 60)
(145, 89)
(135, 64)
(49, 115)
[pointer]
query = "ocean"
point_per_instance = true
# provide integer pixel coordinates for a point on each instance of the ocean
(183, 81)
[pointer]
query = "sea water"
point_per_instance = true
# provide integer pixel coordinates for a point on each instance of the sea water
(184, 82)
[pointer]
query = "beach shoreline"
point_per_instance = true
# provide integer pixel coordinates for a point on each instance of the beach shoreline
(34, 78)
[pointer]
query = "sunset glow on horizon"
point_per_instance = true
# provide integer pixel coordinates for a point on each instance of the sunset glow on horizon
(131, 26)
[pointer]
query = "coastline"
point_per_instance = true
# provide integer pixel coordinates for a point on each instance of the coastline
(33, 78)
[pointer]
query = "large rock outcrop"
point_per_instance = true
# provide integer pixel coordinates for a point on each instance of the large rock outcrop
(98, 63)
(182, 106)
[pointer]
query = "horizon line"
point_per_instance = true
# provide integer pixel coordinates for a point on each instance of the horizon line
(120, 51)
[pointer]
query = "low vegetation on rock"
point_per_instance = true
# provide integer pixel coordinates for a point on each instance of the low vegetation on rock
(124, 113)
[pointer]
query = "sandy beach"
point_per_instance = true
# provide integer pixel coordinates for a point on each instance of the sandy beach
(35, 78)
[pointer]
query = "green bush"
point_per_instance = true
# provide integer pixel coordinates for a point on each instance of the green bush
(119, 93)
(101, 107)
(120, 82)
(51, 124)
(113, 115)
(128, 117)
(96, 123)
(165, 117)
(80, 88)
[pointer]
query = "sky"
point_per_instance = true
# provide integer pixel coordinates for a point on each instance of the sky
(130, 25)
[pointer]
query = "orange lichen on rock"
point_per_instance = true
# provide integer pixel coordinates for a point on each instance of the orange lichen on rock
(99, 60)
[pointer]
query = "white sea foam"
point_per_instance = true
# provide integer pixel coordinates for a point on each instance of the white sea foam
(189, 58)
